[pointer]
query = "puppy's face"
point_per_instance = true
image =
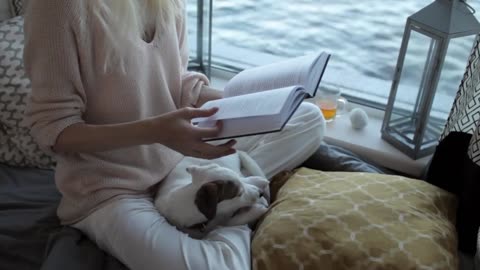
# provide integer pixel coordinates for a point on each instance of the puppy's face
(222, 192)
(212, 193)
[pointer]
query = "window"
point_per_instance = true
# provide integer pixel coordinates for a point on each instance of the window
(199, 34)
(364, 38)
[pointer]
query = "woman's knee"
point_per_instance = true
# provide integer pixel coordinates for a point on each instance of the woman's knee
(225, 248)
(311, 113)
(313, 122)
(218, 255)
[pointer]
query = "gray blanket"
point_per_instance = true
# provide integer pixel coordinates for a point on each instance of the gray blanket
(31, 236)
(335, 158)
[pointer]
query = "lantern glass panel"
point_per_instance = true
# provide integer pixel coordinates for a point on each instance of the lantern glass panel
(413, 83)
(450, 78)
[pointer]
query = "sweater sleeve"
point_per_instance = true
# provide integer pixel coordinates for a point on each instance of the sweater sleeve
(52, 63)
(192, 82)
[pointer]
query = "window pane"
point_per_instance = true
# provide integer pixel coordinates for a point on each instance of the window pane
(364, 38)
(452, 74)
(409, 102)
(198, 26)
(192, 17)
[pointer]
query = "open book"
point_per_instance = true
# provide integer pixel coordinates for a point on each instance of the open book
(262, 99)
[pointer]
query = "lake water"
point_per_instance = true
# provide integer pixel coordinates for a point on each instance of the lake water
(363, 36)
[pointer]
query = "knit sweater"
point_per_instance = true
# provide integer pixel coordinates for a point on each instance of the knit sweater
(64, 59)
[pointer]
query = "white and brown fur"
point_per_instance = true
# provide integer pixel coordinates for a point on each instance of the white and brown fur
(199, 195)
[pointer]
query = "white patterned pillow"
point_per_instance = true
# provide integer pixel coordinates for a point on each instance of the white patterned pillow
(474, 148)
(18, 6)
(17, 147)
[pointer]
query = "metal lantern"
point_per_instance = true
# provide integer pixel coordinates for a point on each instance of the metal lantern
(410, 124)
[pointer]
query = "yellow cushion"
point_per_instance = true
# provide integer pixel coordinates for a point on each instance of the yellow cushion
(341, 220)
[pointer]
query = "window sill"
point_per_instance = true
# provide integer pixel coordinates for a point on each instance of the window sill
(366, 143)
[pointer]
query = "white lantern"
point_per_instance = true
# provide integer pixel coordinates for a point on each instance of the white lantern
(410, 124)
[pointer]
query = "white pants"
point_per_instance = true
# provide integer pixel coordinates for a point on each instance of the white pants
(133, 231)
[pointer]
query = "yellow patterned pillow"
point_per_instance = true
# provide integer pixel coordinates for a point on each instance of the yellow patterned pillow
(341, 220)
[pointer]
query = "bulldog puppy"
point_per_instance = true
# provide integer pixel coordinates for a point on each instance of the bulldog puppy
(199, 195)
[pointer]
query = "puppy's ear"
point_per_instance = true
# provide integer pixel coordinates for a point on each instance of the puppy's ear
(211, 193)
(193, 169)
(200, 174)
(206, 200)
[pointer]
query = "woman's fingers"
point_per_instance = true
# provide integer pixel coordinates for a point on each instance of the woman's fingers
(229, 144)
(210, 132)
(191, 113)
(208, 151)
(190, 139)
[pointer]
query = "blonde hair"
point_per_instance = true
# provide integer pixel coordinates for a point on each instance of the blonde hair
(128, 19)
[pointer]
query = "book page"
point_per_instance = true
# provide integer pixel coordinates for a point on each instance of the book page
(256, 104)
(249, 117)
(276, 75)
(294, 102)
(316, 71)
(304, 70)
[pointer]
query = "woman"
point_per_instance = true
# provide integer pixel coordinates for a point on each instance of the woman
(112, 99)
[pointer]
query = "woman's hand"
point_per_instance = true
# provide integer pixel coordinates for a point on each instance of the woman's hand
(175, 131)
(208, 94)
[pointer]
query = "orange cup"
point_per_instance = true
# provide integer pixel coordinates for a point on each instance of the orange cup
(331, 103)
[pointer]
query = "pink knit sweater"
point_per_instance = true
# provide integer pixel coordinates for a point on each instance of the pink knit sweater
(65, 65)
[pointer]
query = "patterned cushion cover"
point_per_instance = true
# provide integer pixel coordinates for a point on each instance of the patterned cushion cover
(17, 147)
(344, 220)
